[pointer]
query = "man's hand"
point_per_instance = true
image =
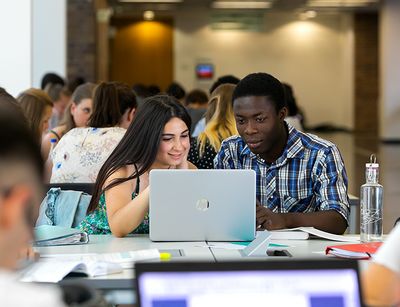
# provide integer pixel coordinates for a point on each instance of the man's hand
(266, 219)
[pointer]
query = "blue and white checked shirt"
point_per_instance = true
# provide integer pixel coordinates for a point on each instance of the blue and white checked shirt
(308, 176)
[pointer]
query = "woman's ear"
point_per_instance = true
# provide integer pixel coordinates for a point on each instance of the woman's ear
(131, 114)
(73, 108)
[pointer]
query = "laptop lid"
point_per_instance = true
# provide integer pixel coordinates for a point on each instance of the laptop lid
(202, 205)
(300, 283)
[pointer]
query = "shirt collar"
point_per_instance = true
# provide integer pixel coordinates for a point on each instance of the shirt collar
(294, 147)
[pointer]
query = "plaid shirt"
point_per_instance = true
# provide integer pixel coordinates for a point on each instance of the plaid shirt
(308, 176)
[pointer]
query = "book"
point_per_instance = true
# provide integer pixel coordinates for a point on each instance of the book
(47, 235)
(354, 251)
(125, 259)
(54, 271)
(55, 267)
(304, 233)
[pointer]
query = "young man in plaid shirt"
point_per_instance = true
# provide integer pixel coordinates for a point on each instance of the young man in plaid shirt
(301, 178)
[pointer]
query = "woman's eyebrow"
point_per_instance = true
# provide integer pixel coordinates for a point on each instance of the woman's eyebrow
(172, 134)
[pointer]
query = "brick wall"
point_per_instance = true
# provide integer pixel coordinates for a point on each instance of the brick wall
(81, 40)
(366, 70)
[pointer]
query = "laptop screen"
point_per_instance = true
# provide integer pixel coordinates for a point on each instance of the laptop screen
(250, 284)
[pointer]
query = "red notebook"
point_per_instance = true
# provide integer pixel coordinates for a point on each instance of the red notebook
(354, 251)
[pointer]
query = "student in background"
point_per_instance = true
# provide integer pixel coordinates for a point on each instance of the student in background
(53, 78)
(37, 107)
(196, 105)
(201, 124)
(21, 171)
(301, 178)
(81, 152)
(220, 126)
(176, 90)
(158, 138)
(76, 115)
(294, 117)
(60, 96)
(381, 280)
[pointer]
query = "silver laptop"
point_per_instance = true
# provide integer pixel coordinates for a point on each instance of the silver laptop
(202, 205)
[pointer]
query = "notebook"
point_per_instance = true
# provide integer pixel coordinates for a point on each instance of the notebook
(202, 205)
(300, 283)
(354, 251)
(48, 235)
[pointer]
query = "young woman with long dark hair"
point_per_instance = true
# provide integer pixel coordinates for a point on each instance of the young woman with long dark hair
(158, 138)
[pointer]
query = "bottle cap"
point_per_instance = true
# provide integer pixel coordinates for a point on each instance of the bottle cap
(372, 162)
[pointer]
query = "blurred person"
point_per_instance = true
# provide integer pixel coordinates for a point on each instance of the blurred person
(141, 92)
(196, 105)
(294, 117)
(381, 279)
(53, 78)
(176, 90)
(21, 173)
(226, 79)
(153, 90)
(220, 126)
(37, 107)
(79, 155)
(60, 96)
(76, 115)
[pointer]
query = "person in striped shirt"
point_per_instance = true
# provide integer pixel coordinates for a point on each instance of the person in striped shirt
(301, 178)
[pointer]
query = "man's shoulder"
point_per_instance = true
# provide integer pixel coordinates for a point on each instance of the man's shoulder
(233, 140)
(313, 142)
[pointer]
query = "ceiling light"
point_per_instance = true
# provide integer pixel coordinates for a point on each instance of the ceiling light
(308, 15)
(340, 3)
(241, 5)
(148, 15)
(151, 1)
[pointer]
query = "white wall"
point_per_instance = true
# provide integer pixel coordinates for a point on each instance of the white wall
(33, 42)
(390, 71)
(16, 45)
(49, 35)
(315, 57)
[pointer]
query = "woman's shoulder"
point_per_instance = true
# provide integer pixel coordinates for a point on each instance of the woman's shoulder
(122, 172)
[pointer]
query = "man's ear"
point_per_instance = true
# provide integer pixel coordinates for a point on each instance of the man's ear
(13, 206)
(283, 113)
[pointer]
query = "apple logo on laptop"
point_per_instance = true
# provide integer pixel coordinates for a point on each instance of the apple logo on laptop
(202, 204)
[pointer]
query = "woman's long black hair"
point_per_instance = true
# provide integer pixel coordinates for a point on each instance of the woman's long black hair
(140, 144)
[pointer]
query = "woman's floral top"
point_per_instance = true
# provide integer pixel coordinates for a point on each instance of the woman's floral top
(81, 152)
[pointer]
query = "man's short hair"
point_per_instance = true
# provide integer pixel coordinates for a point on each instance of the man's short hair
(17, 142)
(261, 84)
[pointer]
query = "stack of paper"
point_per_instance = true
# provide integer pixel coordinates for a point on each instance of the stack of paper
(54, 267)
(303, 233)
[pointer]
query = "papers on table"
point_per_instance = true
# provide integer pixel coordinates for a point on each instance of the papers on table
(294, 233)
(53, 268)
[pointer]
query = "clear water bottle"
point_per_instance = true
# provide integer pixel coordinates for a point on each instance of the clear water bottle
(371, 201)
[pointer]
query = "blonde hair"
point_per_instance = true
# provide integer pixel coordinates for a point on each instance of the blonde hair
(221, 124)
(33, 103)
